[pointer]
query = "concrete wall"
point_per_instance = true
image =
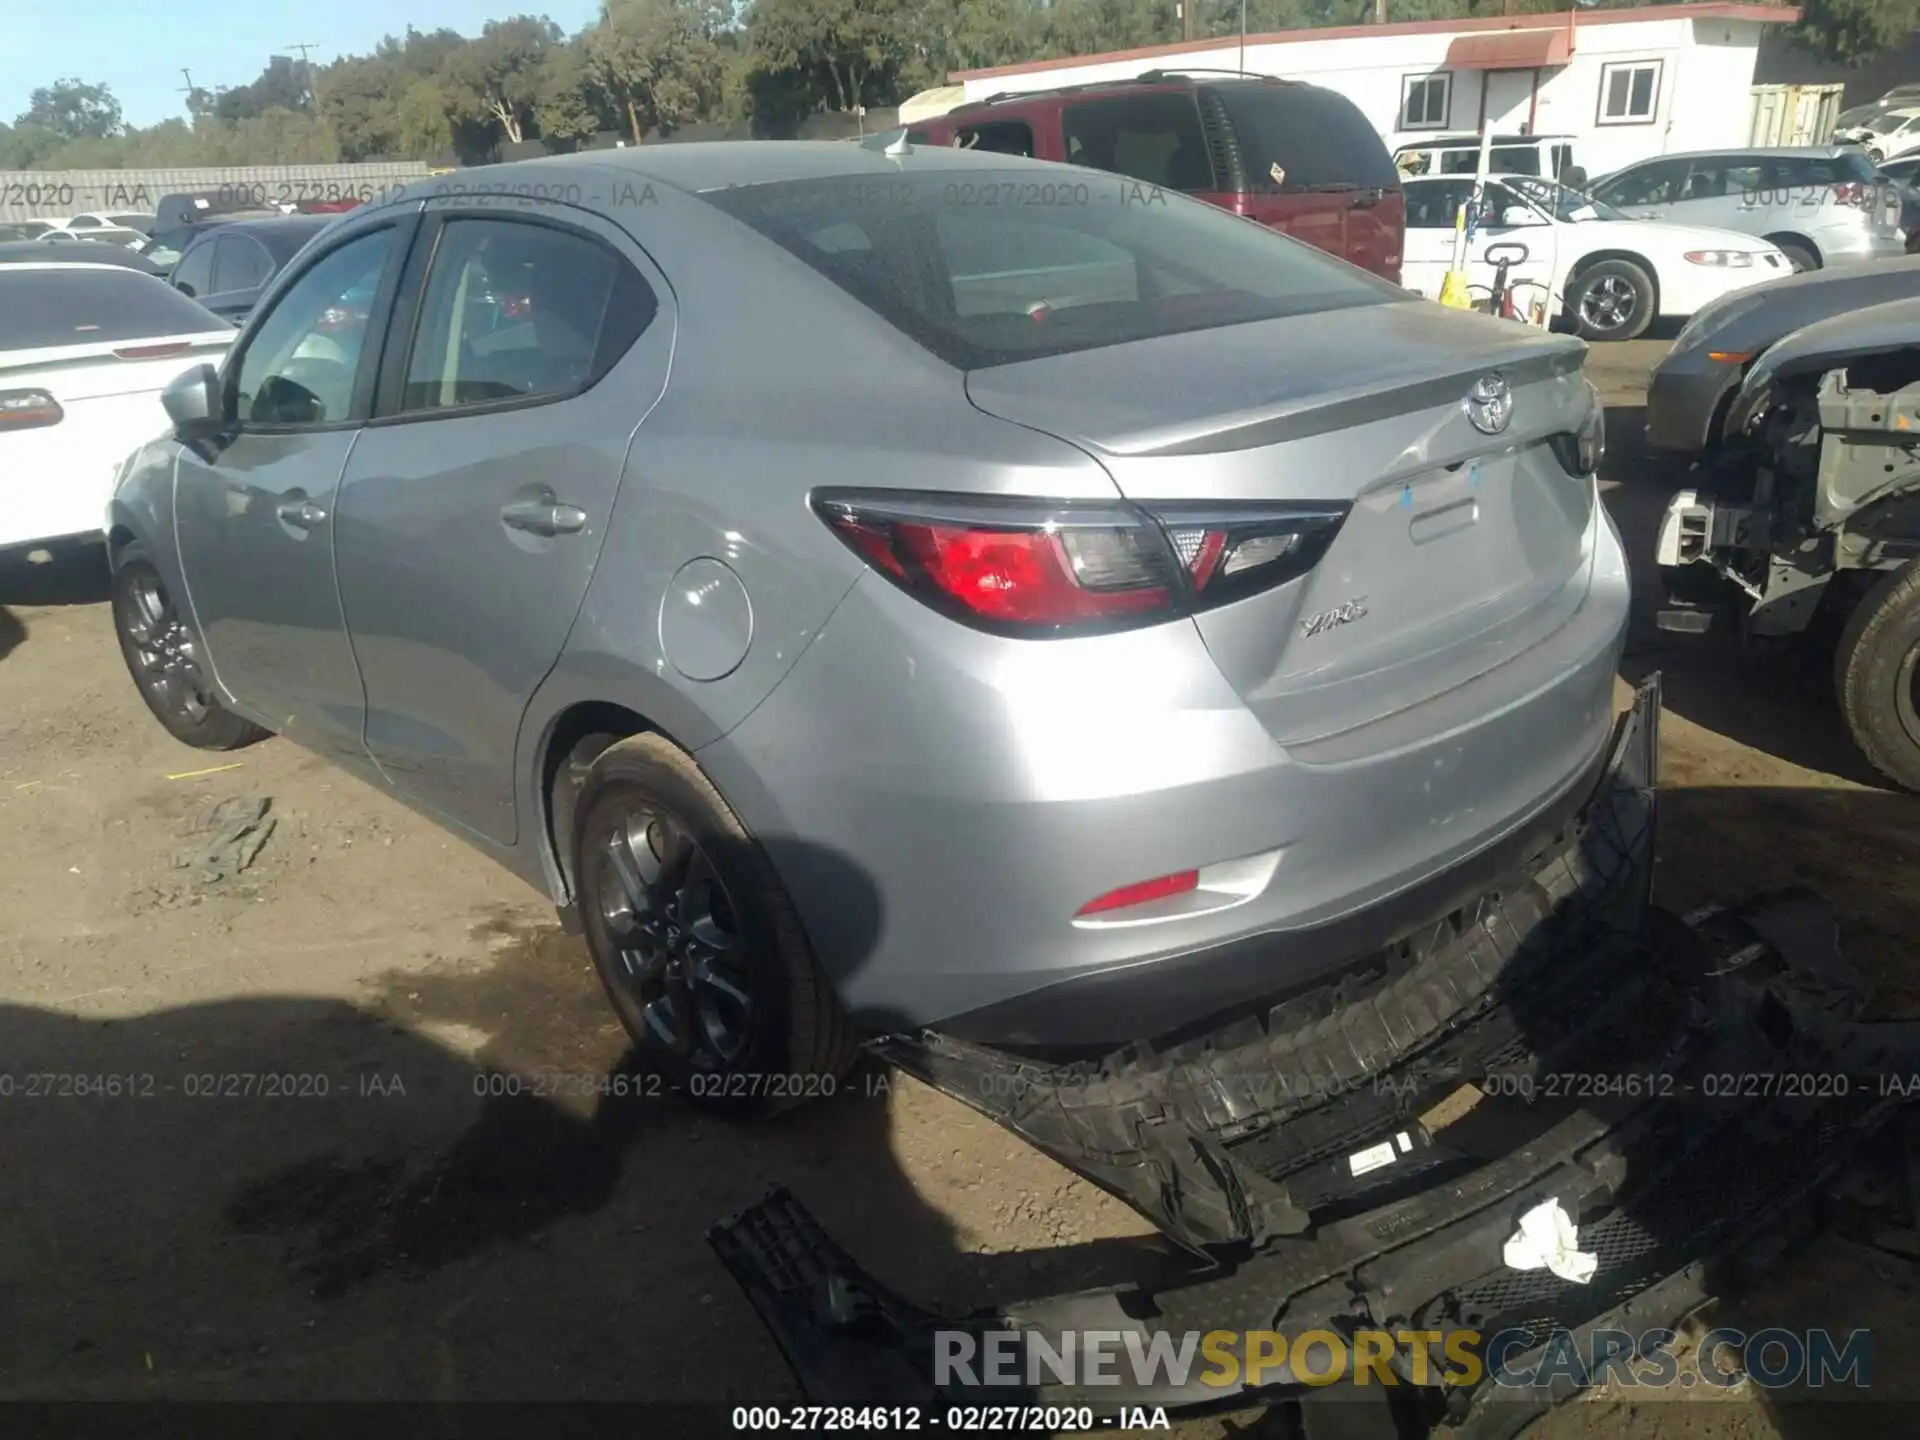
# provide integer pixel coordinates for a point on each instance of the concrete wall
(26, 194)
(1702, 100)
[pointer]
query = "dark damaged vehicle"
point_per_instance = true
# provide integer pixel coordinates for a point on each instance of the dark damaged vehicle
(1810, 511)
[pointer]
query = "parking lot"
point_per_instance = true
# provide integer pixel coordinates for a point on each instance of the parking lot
(297, 1183)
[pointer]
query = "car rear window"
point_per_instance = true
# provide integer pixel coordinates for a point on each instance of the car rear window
(1850, 167)
(75, 306)
(1317, 138)
(988, 267)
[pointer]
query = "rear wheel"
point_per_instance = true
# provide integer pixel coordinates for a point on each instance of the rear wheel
(1613, 300)
(164, 659)
(696, 941)
(1877, 675)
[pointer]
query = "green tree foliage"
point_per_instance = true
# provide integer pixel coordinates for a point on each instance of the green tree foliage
(659, 62)
(71, 110)
(1856, 30)
(496, 78)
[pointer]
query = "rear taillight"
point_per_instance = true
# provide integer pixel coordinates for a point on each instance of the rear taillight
(28, 410)
(1851, 194)
(153, 352)
(1039, 567)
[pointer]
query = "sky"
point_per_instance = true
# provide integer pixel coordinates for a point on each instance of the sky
(137, 48)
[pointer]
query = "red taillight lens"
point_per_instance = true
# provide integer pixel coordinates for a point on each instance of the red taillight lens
(1142, 891)
(1036, 567)
(28, 410)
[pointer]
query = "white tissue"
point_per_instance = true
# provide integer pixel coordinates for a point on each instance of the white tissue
(1547, 1238)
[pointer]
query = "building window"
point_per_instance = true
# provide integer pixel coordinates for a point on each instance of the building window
(1629, 93)
(1425, 100)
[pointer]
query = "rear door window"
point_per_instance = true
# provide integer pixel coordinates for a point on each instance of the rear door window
(193, 275)
(1660, 183)
(1717, 178)
(239, 263)
(77, 306)
(1002, 137)
(1315, 139)
(1435, 204)
(1154, 137)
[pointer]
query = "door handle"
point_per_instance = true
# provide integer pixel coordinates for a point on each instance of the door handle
(301, 514)
(544, 517)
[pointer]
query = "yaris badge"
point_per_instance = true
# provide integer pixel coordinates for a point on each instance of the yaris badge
(1489, 404)
(1346, 614)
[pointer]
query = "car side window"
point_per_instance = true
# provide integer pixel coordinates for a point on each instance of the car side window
(239, 264)
(1155, 137)
(514, 310)
(1717, 179)
(193, 273)
(299, 364)
(1436, 205)
(1002, 137)
(1661, 183)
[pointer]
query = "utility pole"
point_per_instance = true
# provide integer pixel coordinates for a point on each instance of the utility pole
(306, 69)
(1379, 12)
(189, 89)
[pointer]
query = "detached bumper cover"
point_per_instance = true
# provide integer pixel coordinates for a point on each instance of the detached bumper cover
(1241, 1146)
(1230, 1139)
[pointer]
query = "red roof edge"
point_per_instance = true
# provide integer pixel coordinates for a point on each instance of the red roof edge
(1707, 10)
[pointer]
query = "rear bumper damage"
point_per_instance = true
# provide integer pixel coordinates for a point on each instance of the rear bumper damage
(1245, 1144)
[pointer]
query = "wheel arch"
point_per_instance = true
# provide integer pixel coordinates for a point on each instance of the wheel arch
(570, 742)
(1792, 237)
(1597, 257)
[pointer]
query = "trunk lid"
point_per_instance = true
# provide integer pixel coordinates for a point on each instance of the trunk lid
(1461, 549)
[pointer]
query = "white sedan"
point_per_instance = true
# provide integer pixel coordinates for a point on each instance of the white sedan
(1613, 276)
(85, 351)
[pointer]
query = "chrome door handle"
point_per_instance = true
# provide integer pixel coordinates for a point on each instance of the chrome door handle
(302, 514)
(544, 517)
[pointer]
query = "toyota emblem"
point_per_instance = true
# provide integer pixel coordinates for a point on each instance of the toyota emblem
(1489, 404)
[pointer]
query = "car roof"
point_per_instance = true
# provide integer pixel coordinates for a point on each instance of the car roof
(283, 234)
(701, 165)
(1770, 152)
(1468, 137)
(76, 265)
(1145, 80)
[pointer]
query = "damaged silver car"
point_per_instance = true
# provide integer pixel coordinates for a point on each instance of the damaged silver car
(1811, 511)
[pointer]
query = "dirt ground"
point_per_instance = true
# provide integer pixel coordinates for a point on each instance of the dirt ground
(369, 1225)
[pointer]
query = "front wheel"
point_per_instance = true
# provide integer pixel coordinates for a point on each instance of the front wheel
(1877, 676)
(164, 659)
(1613, 300)
(696, 941)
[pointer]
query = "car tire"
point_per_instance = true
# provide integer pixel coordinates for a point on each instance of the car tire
(696, 941)
(1877, 675)
(1613, 300)
(163, 657)
(1799, 254)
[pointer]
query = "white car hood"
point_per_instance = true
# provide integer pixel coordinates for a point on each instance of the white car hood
(1680, 238)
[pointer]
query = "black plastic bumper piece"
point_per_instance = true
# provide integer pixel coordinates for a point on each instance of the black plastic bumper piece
(1230, 1138)
(1682, 1190)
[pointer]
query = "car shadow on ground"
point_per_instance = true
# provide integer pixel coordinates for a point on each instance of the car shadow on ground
(1778, 701)
(71, 575)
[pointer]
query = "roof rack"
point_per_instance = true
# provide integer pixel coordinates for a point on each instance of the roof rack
(1189, 71)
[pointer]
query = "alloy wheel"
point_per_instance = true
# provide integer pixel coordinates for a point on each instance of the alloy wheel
(1906, 695)
(166, 659)
(1607, 304)
(675, 930)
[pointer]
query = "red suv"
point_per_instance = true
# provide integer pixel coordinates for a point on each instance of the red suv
(1293, 156)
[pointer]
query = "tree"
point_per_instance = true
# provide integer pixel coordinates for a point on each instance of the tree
(659, 62)
(422, 130)
(359, 97)
(498, 75)
(569, 102)
(847, 50)
(282, 85)
(1855, 30)
(69, 110)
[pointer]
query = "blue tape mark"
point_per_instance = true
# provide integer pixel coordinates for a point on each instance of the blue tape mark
(1406, 496)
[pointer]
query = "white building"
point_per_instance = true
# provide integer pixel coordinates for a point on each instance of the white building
(1625, 83)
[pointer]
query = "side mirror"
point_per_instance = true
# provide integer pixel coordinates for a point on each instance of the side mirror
(1518, 215)
(192, 402)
